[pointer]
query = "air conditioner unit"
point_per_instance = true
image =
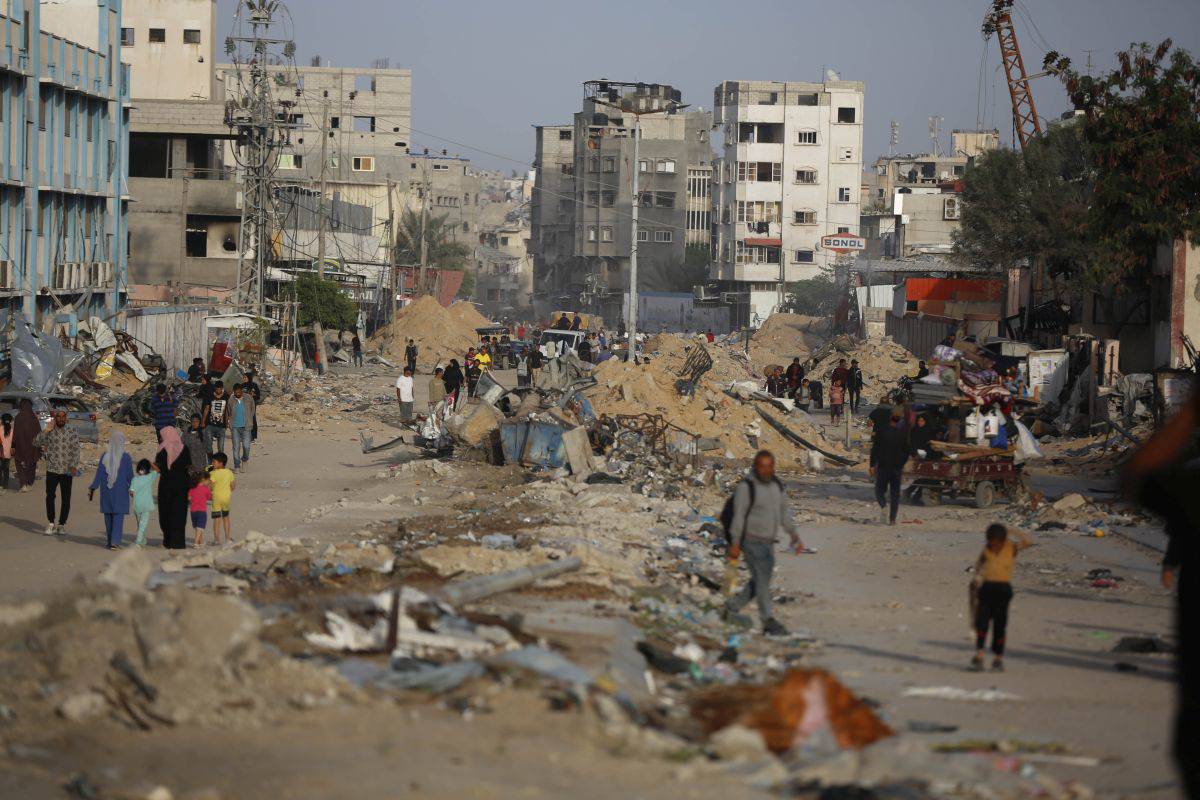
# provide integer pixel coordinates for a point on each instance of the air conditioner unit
(951, 208)
(6, 275)
(99, 274)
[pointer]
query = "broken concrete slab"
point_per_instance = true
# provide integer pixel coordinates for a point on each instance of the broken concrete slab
(475, 424)
(129, 571)
(82, 706)
(19, 614)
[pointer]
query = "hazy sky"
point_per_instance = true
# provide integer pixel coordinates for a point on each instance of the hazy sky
(485, 71)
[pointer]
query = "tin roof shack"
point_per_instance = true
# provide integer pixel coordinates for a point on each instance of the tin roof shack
(927, 310)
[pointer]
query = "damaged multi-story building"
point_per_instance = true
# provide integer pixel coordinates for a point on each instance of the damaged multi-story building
(366, 116)
(789, 175)
(183, 225)
(63, 117)
(912, 203)
(582, 200)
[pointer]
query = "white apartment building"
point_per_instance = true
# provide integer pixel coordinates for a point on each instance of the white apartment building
(790, 173)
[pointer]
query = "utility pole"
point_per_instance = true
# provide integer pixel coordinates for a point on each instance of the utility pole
(631, 314)
(253, 115)
(395, 281)
(424, 288)
(318, 330)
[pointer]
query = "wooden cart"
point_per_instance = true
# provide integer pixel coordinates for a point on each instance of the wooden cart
(977, 472)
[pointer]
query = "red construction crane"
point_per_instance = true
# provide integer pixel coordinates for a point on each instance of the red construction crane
(1025, 118)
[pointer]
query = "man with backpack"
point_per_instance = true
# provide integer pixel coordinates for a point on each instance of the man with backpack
(753, 516)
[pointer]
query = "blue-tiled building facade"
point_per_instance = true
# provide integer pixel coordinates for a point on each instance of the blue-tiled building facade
(64, 111)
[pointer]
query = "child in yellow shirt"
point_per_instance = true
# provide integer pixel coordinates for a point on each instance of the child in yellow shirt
(223, 484)
(993, 574)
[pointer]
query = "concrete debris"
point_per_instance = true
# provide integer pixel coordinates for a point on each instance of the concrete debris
(20, 614)
(82, 706)
(129, 571)
(350, 556)
(1070, 502)
(955, 693)
(474, 425)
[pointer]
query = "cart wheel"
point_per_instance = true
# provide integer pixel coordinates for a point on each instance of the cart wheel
(931, 497)
(985, 493)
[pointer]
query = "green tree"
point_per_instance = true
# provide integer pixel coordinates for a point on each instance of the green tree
(1030, 206)
(444, 251)
(813, 297)
(1142, 126)
(323, 300)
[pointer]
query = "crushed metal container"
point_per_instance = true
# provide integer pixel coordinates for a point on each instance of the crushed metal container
(533, 443)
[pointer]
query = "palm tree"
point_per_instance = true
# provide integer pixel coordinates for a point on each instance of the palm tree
(444, 252)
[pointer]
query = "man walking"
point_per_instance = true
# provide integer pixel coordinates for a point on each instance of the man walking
(255, 391)
(162, 407)
(854, 386)
(60, 445)
(410, 356)
(213, 417)
(404, 394)
(889, 452)
(760, 509)
(437, 389)
(240, 414)
(356, 351)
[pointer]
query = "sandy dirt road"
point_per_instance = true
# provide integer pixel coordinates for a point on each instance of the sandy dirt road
(888, 603)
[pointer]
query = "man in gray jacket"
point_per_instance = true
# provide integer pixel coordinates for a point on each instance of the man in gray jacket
(760, 509)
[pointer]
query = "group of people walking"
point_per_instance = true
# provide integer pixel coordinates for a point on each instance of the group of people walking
(188, 477)
(845, 387)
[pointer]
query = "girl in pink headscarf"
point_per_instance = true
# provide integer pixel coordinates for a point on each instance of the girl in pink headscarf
(172, 462)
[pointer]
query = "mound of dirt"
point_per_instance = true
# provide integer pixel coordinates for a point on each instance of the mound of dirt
(883, 363)
(465, 313)
(650, 388)
(439, 333)
(785, 336)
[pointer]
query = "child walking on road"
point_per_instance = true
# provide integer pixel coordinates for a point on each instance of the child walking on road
(993, 577)
(142, 492)
(198, 498)
(837, 402)
(223, 484)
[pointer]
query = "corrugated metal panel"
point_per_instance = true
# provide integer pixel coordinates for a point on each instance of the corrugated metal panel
(174, 332)
(919, 334)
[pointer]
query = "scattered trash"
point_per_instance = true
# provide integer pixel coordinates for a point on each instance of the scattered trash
(1142, 644)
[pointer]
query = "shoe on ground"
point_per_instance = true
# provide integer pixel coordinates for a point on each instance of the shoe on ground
(976, 665)
(49, 529)
(774, 627)
(892, 521)
(61, 530)
(997, 665)
(883, 515)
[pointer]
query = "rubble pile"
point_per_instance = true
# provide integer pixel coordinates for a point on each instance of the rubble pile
(624, 388)
(465, 314)
(785, 336)
(439, 334)
(728, 365)
(883, 363)
(112, 649)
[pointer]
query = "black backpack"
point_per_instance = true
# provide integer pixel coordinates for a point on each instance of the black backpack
(726, 517)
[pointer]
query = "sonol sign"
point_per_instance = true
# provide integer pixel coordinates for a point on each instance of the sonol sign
(843, 243)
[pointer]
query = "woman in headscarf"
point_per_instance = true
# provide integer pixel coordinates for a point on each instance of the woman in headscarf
(172, 462)
(25, 453)
(114, 474)
(193, 440)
